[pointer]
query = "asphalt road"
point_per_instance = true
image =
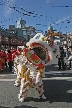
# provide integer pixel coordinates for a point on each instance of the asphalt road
(57, 86)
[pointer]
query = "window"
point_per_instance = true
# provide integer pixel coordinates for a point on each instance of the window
(28, 32)
(24, 33)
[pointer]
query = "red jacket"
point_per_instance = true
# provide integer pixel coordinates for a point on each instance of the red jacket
(3, 55)
(9, 57)
(13, 55)
(0, 53)
(18, 52)
(12, 51)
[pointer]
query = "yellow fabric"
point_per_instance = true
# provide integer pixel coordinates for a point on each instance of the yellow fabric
(23, 70)
(43, 38)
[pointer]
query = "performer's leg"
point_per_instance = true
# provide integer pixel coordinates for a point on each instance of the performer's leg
(69, 63)
(18, 81)
(59, 63)
(39, 88)
(23, 90)
(63, 65)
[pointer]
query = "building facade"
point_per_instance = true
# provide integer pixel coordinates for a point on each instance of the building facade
(25, 32)
(16, 36)
(10, 39)
(22, 30)
(21, 23)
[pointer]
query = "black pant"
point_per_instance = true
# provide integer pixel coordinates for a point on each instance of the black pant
(6, 63)
(70, 64)
(10, 65)
(61, 63)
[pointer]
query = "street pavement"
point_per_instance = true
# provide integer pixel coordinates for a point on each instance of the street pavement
(57, 87)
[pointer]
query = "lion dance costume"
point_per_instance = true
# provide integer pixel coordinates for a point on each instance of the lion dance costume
(29, 66)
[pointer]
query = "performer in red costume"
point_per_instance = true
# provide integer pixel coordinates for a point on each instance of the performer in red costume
(9, 60)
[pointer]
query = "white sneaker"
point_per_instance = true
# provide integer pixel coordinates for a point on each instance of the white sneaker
(21, 99)
(18, 96)
(43, 97)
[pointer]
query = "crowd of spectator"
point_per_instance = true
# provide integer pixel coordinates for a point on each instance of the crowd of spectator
(64, 52)
(7, 56)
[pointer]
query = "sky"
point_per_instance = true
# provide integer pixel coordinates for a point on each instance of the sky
(58, 13)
